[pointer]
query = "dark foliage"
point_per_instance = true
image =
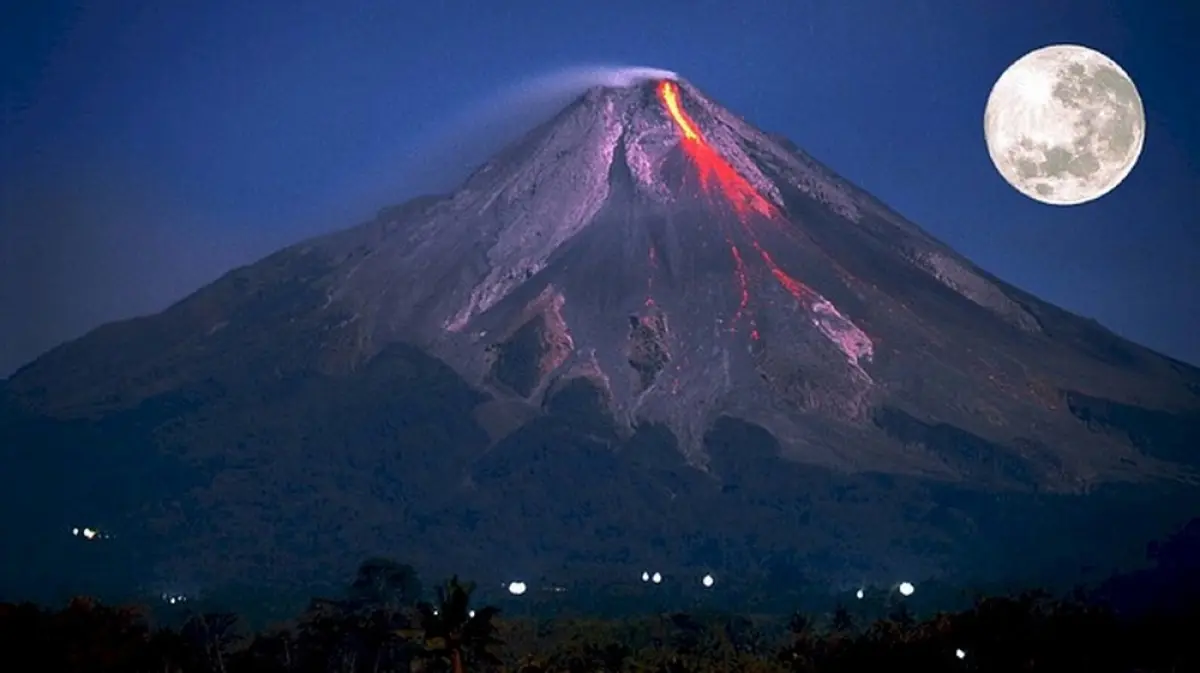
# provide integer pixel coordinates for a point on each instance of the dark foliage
(381, 625)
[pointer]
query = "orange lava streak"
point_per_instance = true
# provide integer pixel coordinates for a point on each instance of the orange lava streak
(669, 94)
(794, 287)
(712, 166)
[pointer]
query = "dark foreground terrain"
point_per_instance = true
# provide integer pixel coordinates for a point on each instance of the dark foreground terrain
(385, 621)
(372, 632)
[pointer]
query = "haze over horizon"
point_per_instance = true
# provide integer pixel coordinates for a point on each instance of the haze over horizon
(144, 151)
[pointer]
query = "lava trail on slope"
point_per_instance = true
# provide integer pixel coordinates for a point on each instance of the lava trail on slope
(719, 179)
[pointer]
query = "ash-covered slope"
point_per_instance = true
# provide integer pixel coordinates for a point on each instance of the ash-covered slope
(646, 259)
(691, 267)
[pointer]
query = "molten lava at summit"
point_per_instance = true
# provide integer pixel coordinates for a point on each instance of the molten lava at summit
(741, 195)
(746, 201)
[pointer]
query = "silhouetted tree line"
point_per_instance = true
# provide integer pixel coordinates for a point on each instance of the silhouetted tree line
(382, 624)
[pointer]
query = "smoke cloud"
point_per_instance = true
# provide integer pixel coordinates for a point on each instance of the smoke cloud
(85, 242)
(452, 151)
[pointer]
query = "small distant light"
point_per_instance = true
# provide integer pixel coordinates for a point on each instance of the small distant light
(435, 612)
(707, 581)
(75, 531)
(645, 577)
(516, 588)
(656, 578)
(961, 654)
(471, 614)
(89, 533)
(859, 594)
(907, 589)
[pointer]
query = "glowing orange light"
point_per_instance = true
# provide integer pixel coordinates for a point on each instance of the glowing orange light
(799, 290)
(670, 97)
(712, 165)
(713, 168)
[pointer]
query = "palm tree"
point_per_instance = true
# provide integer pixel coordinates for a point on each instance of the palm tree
(452, 631)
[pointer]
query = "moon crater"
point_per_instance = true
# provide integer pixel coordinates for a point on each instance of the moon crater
(1064, 125)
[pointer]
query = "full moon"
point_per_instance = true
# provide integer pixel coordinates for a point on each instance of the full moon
(1064, 125)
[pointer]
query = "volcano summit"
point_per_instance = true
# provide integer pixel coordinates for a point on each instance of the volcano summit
(645, 331)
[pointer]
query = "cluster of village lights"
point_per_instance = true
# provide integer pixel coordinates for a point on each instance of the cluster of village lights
(89, 533)
(905, 589)
(518, 588)
(173, 598)
(708, 580)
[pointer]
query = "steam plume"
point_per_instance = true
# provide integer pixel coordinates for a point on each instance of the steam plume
(485, 127)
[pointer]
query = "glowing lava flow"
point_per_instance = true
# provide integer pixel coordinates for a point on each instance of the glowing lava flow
(741, 195)
(744, 285)
(852, 341)
(794, 287)
(744, 198)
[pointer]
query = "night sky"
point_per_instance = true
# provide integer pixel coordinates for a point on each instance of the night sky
(146, 147)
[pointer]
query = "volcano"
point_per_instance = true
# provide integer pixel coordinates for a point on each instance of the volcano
(644, 332)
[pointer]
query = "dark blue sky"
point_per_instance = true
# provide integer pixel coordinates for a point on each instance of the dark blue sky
(145, 147)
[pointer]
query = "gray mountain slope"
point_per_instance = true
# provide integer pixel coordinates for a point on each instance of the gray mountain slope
(644, 264)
